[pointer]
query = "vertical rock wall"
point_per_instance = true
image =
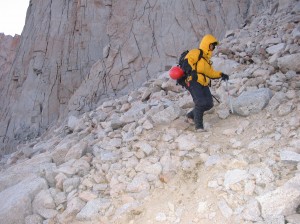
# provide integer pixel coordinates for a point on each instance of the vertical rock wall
(61, 40)
(125, 41)
(8, 48)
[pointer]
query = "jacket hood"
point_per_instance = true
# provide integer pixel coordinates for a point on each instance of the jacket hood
(205, 42)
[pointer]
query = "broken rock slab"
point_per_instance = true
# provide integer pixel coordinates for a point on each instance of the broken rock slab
(15, 202)
(251, 102)
(283, 200)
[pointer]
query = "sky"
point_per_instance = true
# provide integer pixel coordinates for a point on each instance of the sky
(12, 16)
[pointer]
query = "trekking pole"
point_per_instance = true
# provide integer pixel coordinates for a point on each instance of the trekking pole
(229, 97)
(215, 98)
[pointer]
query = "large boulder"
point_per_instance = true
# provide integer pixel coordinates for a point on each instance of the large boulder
(15, 202)
(283, 200)
(251, 102)
(289, 62)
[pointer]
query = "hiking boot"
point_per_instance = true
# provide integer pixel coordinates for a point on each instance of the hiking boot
(189, 120)
(199, 130)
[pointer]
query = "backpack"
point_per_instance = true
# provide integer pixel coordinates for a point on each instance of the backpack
(187, 69)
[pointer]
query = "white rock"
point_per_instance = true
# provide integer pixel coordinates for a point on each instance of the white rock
(138, 184)
(60, 151)
(15, 202)
(261, 144)
(160, 217)
(212, 160)
(73, 122)
(76, 151)
(289, 156)
(33, 219)
(251, 102)
(263, 175)
(289, 62)
(282, 201)
(43, 204)
(276, 48)
(167, 115)
(252, 211)
(74, 206)
(145, 147)
(225, 209)
(71, 184)
(93, 208)
(234, 176)
(187, 142)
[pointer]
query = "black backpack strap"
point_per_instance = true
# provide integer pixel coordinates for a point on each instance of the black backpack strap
(200, 55)
(188, 68)
(199, 58)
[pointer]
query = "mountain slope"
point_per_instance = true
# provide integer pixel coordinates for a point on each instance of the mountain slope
(128, 42)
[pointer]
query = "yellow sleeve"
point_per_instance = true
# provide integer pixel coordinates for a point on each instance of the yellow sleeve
(203, 67)
(211, 73)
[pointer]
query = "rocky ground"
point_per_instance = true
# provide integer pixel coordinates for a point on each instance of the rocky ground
(136, 160)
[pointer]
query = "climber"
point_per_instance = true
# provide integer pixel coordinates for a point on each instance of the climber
(198, 63)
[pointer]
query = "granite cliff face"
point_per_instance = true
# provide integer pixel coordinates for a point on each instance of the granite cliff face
(8, 48)
(74, 54)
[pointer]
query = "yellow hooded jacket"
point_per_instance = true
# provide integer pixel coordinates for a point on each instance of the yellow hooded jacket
(204, 65)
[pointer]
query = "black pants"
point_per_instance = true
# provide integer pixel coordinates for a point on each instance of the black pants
(203, 101)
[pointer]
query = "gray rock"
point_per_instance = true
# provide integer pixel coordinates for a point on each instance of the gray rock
(93, 208)
(136, 112)
(76, 151)
(145, 147)
(225, 209)
(130, 206)
(116, 122)
(61, 150)
(167, 115)
(276, 48)
(261, 144)
(234, 176)
(276, 101)
(274, 219)
(212, 160)
(289, 62)
(186, 102)
(72, 122)
(273, 40)
(282, 201)
(73, 208)
(43, 204)
(15, 202)
(262, 175)
(187, 142)
(33, 219)
(252, 211)
(59, 198)
(42, 147)
(106, 155)
(70, 184)
(293, 219)
(296, 31)
(138, 184)
(225, 65)
(252, 101)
